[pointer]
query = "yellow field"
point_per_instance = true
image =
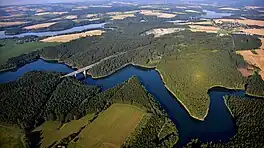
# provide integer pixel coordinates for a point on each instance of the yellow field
(229, 8)
(91, 15)
(69, 37)
(52, 132)
(122, 16)
(157, 13)
(112, 127)
(254, 59)
(37, 26)
(71, 17)
(208, 29)
(254, 31)
(52, 13)
(5, 24)
(242, 21)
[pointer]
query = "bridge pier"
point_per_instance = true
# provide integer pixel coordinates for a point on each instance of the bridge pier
(75, 75)
(84, 73)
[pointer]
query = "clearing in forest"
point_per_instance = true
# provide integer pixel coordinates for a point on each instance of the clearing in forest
(112, 127)
(69, 37)
(163, 31)
(11, 137)
(53, 133)
(37, 26)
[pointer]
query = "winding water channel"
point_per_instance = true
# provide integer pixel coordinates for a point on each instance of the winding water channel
(217, 126)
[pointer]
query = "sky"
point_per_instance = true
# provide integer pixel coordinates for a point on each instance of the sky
(19, 2)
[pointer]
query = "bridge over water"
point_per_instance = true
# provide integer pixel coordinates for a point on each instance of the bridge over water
(85, 69)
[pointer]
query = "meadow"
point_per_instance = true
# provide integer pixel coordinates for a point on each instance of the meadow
(11, 48)
(118, 120)
(53, 132)
(11, 137)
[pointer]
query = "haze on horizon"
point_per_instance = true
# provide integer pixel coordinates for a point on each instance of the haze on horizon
(22, 2)
(227, 2)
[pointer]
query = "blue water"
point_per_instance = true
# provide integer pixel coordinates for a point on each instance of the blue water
(52, 33)
(40, 65)
(213, 14)
(218, 125)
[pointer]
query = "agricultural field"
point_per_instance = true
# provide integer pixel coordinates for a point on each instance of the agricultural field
(51, 13)
(6, 24)
(208, 29)
(256, 59)
(11, 137)
(54, 132)
(71, 17)
(242, 21)
(254, 31)
(122, 16)
(10, 48)
(157, 13)
(112, 127)
(262, 45)
(37, 26)
(69, 37)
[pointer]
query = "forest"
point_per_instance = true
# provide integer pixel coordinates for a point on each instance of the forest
(43, 96)
(255, 85)
(180, 49)
(248, 114)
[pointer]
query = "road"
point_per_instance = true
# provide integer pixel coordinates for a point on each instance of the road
(90, 66)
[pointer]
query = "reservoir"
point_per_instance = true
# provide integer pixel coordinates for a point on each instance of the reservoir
(212, 14)
(53, 33)
(218, 125)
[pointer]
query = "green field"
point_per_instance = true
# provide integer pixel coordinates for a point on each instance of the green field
(112, 127)
(190, 74)
(11, 137)
(9, 48)
(53, 133)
